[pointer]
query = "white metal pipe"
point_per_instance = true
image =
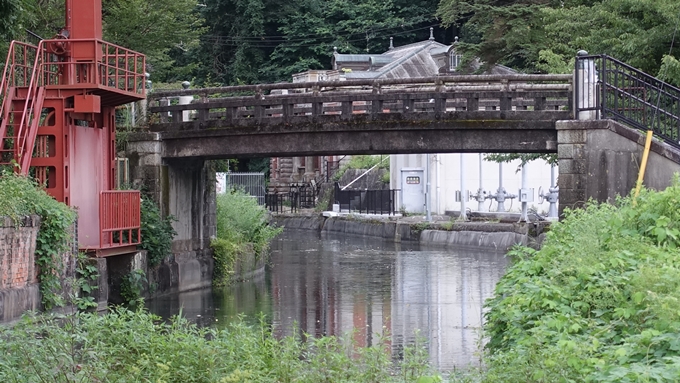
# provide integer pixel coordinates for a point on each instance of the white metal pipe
(524, 217)
(480, 191)
(463, 193)
(428, 214)
(439, 206)
(500, 195)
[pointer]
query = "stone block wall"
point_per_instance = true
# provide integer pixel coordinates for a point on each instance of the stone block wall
(19, 290)
(17, 248)
(600, 160)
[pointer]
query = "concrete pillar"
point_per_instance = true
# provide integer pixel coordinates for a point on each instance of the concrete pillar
(146, 164)
(586, 87)
(183, 188)
(309, 168)
(571, 161)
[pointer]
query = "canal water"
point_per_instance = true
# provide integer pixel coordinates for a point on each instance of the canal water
(336, 285)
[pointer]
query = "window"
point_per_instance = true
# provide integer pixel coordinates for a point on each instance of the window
(454, 60)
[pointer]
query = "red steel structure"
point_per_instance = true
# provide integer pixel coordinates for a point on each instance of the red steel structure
(58, 123)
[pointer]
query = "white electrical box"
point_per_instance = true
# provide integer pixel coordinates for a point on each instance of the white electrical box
(526, 195)
(413, 190)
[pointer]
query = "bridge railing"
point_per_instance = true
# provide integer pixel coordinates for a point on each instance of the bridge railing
(255, 104)
(611, 89)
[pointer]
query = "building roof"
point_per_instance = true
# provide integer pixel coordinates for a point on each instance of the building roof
(420, 59)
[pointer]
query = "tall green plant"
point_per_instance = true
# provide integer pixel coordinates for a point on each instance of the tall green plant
(241, 226)
(599, 302)
(157, 232)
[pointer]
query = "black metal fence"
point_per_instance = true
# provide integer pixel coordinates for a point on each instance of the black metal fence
(292, 201)
(608, 88)
(366, 201)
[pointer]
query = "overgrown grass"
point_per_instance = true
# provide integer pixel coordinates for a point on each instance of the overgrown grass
(599, 302)
(127, 346)
(20, 197)
(241, 227)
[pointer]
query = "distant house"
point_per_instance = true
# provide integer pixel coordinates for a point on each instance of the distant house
(422, 59)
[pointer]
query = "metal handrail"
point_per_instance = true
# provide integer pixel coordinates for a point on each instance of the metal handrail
(630, 96)
(119, 218)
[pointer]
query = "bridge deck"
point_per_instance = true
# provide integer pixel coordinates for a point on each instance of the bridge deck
(443, 114)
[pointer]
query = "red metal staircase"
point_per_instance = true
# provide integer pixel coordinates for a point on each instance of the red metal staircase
(21, 106)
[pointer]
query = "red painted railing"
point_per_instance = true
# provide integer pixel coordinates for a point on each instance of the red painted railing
(114, 68)
(119, 218)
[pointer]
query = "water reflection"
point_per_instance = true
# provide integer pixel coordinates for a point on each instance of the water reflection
(332, 285)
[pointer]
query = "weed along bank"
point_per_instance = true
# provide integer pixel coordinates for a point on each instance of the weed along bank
(242, 241)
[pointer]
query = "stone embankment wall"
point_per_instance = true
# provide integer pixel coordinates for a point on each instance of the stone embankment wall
(19, 290)
(497, 236)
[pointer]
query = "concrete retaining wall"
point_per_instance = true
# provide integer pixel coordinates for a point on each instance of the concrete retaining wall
(601, 159)
(499, 241)
(498, 236)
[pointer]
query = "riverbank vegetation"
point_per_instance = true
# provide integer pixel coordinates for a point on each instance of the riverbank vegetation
(21, 197)
(242, 228)
(599, 302)
(131, 346)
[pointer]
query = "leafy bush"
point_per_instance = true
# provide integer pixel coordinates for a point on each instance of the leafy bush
(20, 197)
(127, 346)
(599, 302)
(157, 232)
(241, 226)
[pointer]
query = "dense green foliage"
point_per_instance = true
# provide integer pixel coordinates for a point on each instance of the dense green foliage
(259, 41)
(166, 31)
(132, 286)
(20, 197)
(126, 346)
(85, 282)
(599, 302)
(157, 232)
(241, 227)
(544, 36)
(245, 41)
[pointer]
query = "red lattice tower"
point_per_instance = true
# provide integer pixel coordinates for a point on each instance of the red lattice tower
(58, 123)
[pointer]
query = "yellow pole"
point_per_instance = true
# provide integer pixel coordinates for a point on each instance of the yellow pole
(643, 166)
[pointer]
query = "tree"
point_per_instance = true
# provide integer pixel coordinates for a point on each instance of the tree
(544, 35)
(236, 45)
(166, 31)
(258, 41)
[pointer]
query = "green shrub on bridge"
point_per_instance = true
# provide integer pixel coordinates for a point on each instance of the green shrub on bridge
(599, 302)
(241, 227)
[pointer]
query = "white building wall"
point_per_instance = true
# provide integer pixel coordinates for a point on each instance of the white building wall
(445, 179)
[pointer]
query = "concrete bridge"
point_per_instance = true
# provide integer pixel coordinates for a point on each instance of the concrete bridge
(485, 113)
(588, 119)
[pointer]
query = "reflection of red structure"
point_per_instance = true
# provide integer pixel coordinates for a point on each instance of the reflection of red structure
(58, 123)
